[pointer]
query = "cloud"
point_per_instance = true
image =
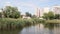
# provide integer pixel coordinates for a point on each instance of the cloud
(23, 6)
(7, 4)
(27, 4)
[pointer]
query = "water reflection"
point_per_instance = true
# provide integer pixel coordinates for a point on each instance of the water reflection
(16, 31)
(40, 29)
(37, 29)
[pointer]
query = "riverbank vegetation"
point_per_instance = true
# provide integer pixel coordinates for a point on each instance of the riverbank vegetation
(51, 18)
(53, 21)
(11, 18)
(51, 15)
(9, 23)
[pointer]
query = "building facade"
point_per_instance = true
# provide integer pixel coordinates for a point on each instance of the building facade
(46, 9)
(56, 9)
(38, 12)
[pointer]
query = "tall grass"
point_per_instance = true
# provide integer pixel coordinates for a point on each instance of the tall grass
(9, 23)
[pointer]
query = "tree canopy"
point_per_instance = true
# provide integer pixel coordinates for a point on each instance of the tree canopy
(11, 12)
(28, 14)
(49, 15)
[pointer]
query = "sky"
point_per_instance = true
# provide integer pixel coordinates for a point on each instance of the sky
(29, 5)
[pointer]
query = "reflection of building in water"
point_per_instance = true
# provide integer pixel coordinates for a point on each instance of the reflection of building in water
(39, 26)
(39, 29)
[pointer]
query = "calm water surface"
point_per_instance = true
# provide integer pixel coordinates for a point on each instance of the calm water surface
(37, 29)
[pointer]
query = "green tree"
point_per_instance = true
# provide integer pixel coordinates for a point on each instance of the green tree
(28, 14)
(11, 12)
(50, 15)
(34, 16)
(57, 16)
(0, 14)
(45, 16)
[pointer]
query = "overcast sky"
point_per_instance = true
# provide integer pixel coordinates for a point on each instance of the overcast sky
(29, 5)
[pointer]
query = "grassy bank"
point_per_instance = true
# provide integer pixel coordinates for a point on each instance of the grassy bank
(9, 23)
(53, 21)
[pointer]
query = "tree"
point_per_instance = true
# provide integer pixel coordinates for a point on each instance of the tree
(11, 12)
(28, 14)
(50, 15)
(34, 16)
(45, 16)
(57, 16)
(0, 14)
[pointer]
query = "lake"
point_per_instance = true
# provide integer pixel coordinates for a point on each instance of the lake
(36, 29)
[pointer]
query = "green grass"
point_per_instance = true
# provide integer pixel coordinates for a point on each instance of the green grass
(52, 21)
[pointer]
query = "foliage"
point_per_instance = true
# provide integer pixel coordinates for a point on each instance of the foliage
(9, 23)
(49, 15)
(57, 16)
(28, 14)
(0, 14)
(11, 12)
(45, 16)
(34, 16)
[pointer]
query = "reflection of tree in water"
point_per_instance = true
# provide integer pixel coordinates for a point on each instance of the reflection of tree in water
(50, 26)
(16, 31)
(51, 31)
(53, 27)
